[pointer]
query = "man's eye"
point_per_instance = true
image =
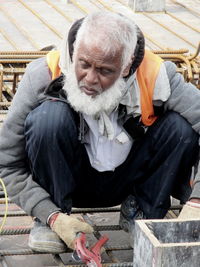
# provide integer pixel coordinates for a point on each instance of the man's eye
(84, 65)
(106, 71)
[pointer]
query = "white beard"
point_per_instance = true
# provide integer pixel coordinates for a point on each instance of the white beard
(106, 101)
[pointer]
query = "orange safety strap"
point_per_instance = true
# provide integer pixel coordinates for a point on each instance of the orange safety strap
(146, 76)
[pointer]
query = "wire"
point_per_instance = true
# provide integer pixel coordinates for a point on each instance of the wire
(6, 203)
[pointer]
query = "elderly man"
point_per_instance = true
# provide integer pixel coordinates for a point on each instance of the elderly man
(100, 123)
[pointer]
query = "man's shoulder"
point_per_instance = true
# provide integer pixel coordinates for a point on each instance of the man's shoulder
(38, 72)
(170, 68)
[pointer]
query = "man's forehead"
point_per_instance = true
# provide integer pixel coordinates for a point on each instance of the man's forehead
(93, 51)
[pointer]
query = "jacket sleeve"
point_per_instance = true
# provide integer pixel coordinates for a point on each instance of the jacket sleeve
(185, 99)
(14, 169)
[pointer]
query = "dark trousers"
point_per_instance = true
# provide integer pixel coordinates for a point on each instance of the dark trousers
(158, 165)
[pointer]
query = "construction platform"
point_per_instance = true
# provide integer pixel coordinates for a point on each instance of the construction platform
(31, 25)
(14, 249)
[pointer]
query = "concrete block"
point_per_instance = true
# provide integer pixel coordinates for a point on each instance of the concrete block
(164, 243)
(147, 5)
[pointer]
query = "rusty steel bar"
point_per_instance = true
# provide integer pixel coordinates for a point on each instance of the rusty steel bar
(3, 111)
(20, 28)
(41, 19)
(12, 252)
(84, 210)
(26, 230)
(180, 51)
(168, 29)
(186, 7)
(8, 39)
(95, 3)
(1, 83)
(5, 57)
(5, 104)
(145, 34)
(22, 52)
(59, 10)
(83, 9)
(121, 264)
(183, 22)
(105, 5)
(196, 53)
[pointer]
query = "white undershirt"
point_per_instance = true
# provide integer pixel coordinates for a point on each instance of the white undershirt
(105, 154)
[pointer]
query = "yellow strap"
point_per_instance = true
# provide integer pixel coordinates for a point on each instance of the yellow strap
(53, 58)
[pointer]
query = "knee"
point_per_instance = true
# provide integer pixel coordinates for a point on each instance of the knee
(180, 128)
(49, 120)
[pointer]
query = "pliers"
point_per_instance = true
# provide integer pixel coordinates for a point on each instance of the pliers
(91, 257)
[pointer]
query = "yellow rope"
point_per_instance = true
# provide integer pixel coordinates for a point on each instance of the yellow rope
(6, 203)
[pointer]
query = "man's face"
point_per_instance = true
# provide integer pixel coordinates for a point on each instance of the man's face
(95, 71)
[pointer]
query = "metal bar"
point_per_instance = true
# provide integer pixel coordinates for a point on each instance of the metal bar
(3, 262)
(21, 29)
(196, 53)
(186, 7)
(59, 10)
(11, 252)
(84, 210)
(145, 34)
(121, 264)
(168, 29)
(88, 210)
(98, 235)
(9, 61)
(105, 6)
(26, 230)
(182, 21)
(2, 104)
(180, 51)
(22, 52)
(80, 6)
(41, 19)
(1, 84)
(94, 3)
(5, 57)
(8, 39)
(58, 260)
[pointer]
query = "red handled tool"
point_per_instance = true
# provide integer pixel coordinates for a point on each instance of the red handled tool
(92, 256)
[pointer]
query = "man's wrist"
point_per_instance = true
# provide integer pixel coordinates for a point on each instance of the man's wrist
(52, 217)
(194, 204)
(195, 200)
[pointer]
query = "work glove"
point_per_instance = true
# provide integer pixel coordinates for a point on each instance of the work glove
(67, 228)
(189, 211)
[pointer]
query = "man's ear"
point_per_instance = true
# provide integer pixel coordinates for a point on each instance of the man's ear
(125, 72)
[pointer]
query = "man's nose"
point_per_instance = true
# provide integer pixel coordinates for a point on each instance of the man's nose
(91, 77)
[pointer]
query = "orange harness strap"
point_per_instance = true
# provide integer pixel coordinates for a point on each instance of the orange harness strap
(146, 76)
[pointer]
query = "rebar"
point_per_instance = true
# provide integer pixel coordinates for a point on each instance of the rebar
(26, 230)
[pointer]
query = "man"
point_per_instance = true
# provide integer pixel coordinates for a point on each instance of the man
(115, 125)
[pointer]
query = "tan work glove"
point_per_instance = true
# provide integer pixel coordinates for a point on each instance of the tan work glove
(190, 211)
(67, 228)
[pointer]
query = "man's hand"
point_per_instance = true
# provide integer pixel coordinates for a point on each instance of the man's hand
(191, 210)
(67, 228)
